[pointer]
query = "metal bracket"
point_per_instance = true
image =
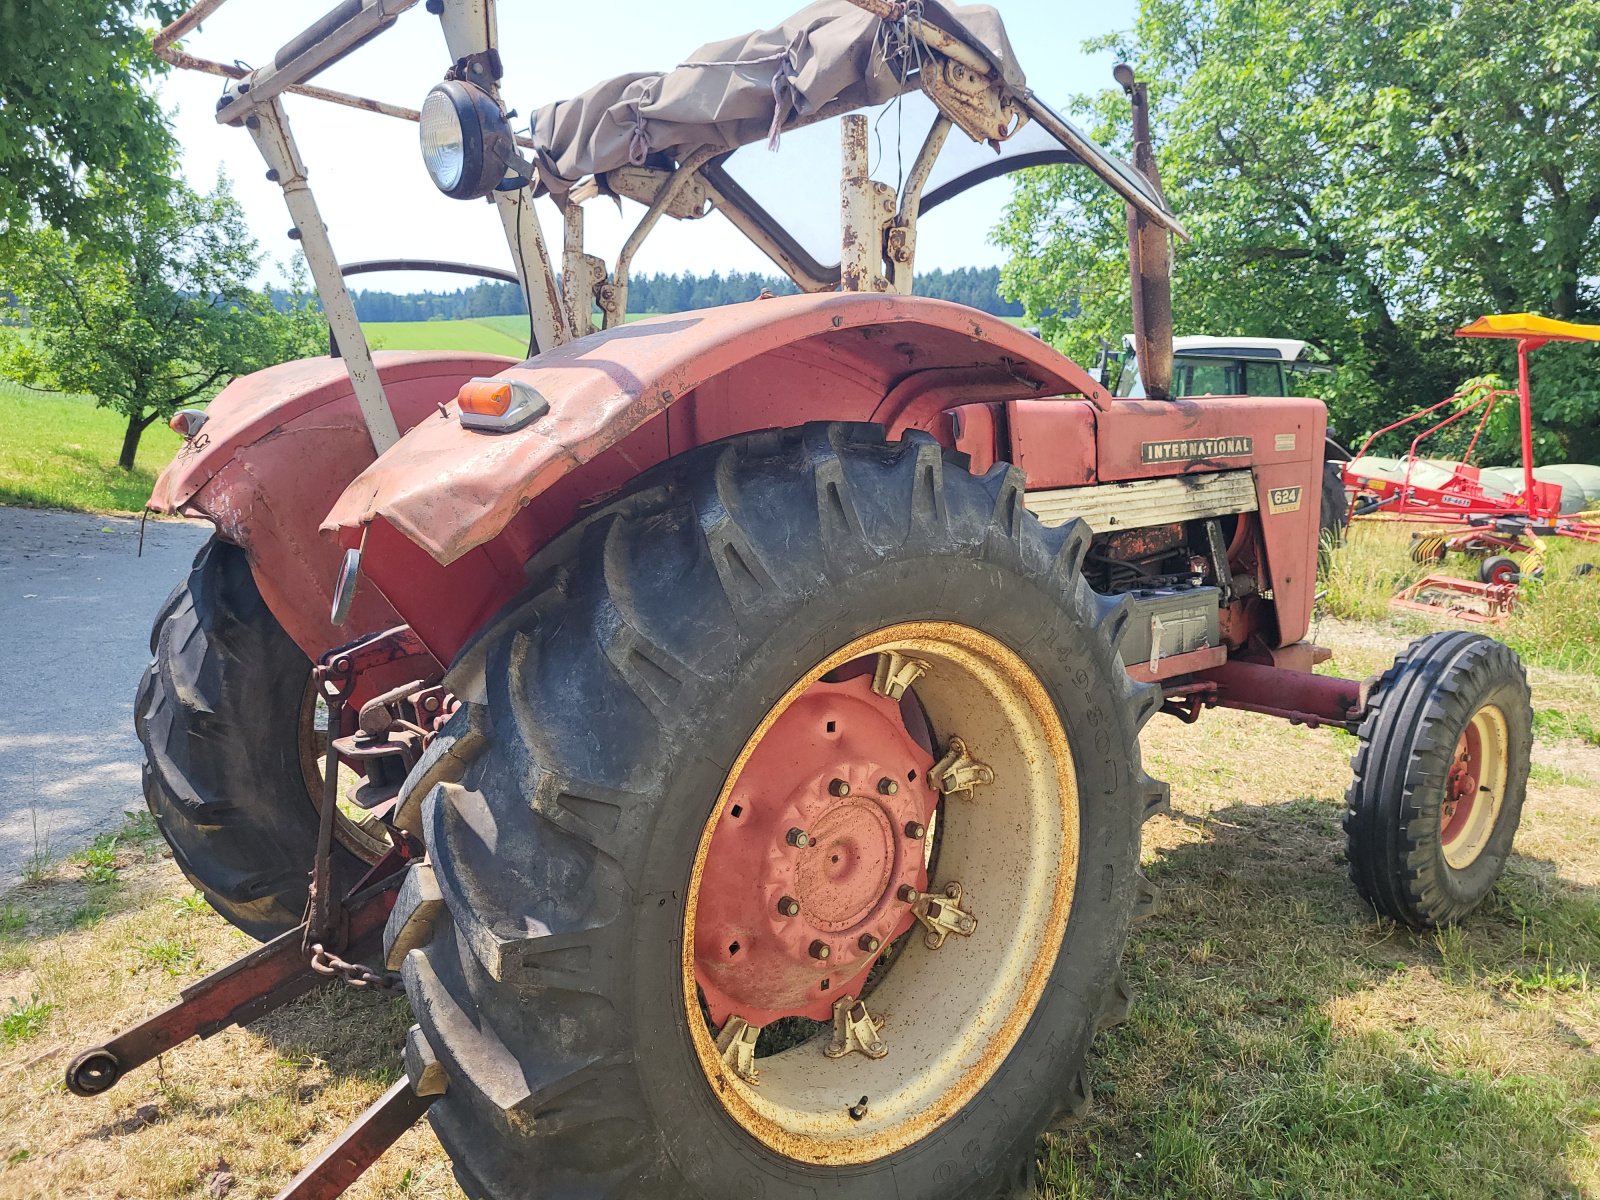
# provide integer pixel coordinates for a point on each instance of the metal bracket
(895, 673)
(958, 771)
(982, 107)
(482, 68)
(943, 916)
(855, 1029)
(737, 1046)
(867, 209)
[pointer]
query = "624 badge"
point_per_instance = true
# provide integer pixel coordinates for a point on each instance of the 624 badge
(1283, 499)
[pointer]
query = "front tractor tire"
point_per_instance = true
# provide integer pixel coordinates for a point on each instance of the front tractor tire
(227, 716)
(1439, 778)
(697, 821)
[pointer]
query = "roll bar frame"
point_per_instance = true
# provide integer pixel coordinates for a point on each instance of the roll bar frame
(879, 232)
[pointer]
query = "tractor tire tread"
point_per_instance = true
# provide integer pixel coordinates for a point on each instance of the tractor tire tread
(536, 844)
(217, 712)
(1406, 743)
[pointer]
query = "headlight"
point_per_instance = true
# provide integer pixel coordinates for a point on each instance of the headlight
(466, 141)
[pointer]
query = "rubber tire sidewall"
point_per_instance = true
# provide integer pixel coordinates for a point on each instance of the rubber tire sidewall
(1001, 579)
(218, 712)
(1395, 804)
(720, 1158)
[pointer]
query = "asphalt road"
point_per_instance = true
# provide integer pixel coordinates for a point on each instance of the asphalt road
(76, 601)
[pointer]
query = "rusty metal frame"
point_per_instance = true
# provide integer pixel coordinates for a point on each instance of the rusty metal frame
(347, 1158)
(269, 126)
(559, 313)
(614, 295)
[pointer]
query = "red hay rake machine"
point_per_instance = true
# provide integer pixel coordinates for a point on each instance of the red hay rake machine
(745, 703)
(1490, 515)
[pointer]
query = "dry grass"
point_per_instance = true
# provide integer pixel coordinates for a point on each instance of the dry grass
(1554, 623)
(1286, 1043)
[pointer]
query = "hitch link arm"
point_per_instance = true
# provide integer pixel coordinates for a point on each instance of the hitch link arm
(250, 987)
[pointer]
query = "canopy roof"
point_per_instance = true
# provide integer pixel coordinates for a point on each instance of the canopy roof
(829, 58)
(1530, 325)
(744, 89)
(1211, 346)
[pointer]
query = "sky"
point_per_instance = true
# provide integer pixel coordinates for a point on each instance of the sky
(377, 201)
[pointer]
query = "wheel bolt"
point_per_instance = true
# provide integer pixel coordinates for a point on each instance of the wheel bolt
(887, 786)
(789, 906)
(839, 788)
(869, 943)
(799, 837)
(908, 894)
(916, 830)
(820, 949)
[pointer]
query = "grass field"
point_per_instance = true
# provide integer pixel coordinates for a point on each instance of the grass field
(1557, 619)
(491, 335)
(1285, 1042)
(61, 452)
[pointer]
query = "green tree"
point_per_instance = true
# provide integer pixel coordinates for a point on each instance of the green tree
(1366, 174)
(75, 105)
(153, 312)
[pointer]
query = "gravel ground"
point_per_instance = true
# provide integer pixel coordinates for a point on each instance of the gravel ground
(76, 600)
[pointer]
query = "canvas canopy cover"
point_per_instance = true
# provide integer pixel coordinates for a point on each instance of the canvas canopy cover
(746, 89)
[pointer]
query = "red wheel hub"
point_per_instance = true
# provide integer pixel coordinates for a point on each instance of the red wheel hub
(803, 880)
(1461, 786)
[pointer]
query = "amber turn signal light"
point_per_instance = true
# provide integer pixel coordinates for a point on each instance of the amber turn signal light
(499, 405)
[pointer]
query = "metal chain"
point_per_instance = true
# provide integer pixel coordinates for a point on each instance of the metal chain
(325, 962)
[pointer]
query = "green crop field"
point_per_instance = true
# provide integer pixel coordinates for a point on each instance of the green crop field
(489, 335)
(61, 451)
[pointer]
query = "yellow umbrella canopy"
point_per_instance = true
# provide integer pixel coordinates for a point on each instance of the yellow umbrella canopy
(1530, 325)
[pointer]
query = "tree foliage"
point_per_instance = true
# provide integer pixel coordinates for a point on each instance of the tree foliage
(154, 312)
(1366, 174)
(75, 104)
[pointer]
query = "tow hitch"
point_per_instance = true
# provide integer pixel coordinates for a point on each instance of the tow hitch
(336, 934)
(243, 991)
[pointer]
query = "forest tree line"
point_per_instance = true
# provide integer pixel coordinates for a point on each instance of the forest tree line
(977, 287)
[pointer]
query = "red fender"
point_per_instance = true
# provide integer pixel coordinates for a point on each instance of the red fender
(276, 449)
(897, 360)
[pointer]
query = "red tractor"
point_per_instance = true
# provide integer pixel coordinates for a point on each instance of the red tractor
(744, 704)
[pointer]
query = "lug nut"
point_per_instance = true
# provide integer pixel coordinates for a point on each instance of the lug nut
(887, 786)
(916, 830)
(869, 943)
(908, 894)
(789, 906)
(839, 788)
(798, 837)
(820, 949)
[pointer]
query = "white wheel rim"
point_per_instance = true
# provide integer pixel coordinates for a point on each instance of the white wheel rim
(952, 1015)
(1475, 789)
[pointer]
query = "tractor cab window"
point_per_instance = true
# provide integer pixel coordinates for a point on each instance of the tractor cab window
(1209, 375)
(1263, 379)
(1205, 377)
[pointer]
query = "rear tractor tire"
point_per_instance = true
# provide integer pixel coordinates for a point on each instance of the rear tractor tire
(1440, 775)
(689, 865)
(227, 715)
